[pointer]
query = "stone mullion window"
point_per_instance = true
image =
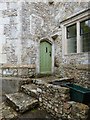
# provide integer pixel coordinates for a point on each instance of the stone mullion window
(64, 40)
(79, 42)
(75, 40)
(65, 44)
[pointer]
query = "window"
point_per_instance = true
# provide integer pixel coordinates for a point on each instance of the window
(85, 35)
(71, 39)
(76, 33)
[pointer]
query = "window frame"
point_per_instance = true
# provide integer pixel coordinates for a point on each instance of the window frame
(74, 36)
(76, 18)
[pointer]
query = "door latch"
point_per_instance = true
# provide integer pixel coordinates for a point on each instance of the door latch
(50, 53)
(46, 49)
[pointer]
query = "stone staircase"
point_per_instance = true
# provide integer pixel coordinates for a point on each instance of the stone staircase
(30, 89)
(20, 102)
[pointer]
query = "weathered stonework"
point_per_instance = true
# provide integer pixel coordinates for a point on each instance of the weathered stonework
(56, 100)
(24, 24)
(10, 32)
(19, 70)
(76, 65)
(7, 112)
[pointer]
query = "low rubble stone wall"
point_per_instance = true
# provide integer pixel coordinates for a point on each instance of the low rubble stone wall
(18, 70)
(80, 73)
(56, 100)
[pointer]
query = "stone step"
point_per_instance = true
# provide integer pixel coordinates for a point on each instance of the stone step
(43, 81)
(6, 112)
(31, 90)
(65, 79)
(62, 81)
(21, 102)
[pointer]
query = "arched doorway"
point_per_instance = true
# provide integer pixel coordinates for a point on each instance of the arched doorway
(45, 57)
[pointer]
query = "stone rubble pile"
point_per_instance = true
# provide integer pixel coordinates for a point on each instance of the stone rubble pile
(6, 112)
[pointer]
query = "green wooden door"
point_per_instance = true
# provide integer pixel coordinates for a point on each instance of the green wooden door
(45, 57)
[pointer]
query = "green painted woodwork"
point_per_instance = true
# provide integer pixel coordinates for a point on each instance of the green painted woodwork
(45, 57)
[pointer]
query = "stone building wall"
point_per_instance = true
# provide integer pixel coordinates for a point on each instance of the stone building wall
(10, 32)
(73, 65)
(77, 66)
(42, 21)
(24, 24)
(38, 24)
(10, 42)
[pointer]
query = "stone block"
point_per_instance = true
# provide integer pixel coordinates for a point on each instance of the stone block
(5, 20)
(77, 110)
(2, 39)
(8, 13)
(64, 90)
(3, 58)
(81, 108)
(1, 14)
(14, 32)
(1, 29)
(3, 6)
(30, 89)
(6, 112)
(67, 107)
(16, 20)
(13, 5)
(21, 102)
(38, 82)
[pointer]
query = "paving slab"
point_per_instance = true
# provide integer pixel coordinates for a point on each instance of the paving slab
(31, 90)
(21, 102)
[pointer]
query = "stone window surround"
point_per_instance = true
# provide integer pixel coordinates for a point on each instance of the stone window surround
(77, 18)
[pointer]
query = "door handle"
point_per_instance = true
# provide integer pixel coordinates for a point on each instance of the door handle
(50, 54)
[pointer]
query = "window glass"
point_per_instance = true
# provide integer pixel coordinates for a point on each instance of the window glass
(72, 45)
(85, 35)
(71, 39)
(71, 31)
(85, 27)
